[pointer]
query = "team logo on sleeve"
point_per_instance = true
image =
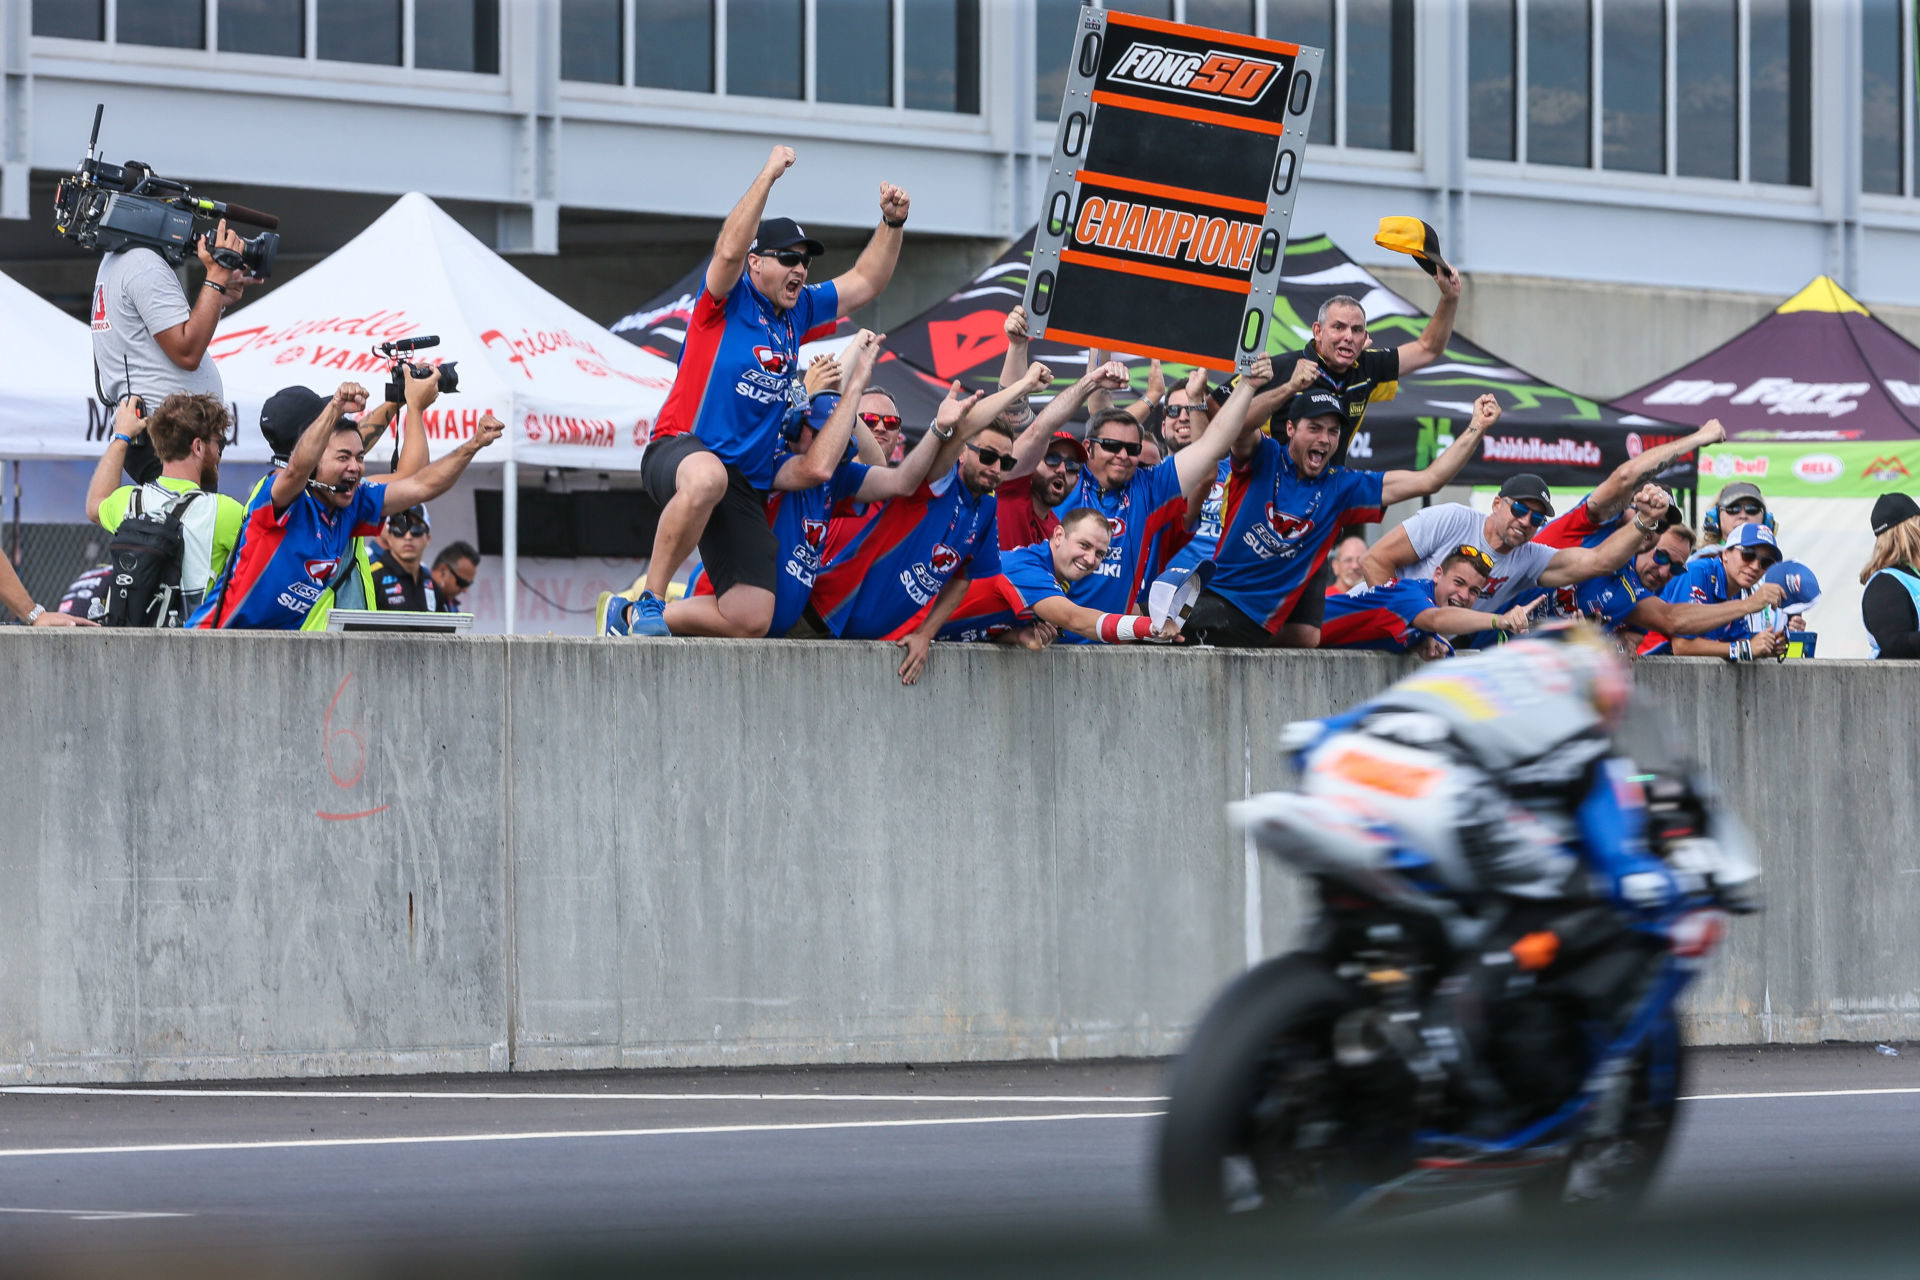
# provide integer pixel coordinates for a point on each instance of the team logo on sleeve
(1289, 527)
(943, 558)
(815, 532)
(770, 360)
(321, 570)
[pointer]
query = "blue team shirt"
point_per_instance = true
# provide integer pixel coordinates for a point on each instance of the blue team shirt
(1380, 618)
(1704, 582)
(1002, 603)
(284, 560)
(740, 370)
(1206, 533)
(1140, 519)
(892, 567)
(1278, 526)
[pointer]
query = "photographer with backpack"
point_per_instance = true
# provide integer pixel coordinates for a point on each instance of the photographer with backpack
(171, 537)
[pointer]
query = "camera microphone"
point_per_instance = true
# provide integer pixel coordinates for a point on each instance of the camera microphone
(404, 345)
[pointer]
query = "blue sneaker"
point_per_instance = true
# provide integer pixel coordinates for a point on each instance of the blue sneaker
(648, 616)
(610, 614)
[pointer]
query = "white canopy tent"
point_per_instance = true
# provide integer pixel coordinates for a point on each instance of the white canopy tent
(47, 406)
(571, 393)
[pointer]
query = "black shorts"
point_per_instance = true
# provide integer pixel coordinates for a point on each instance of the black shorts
(1310, 610)
(737, 547)
(1218, 623)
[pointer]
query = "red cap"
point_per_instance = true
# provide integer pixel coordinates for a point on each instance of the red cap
(1069, 439)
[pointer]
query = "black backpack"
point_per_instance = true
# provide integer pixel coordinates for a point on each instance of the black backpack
(144, 558)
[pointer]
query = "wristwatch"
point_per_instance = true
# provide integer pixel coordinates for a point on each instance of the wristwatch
(890, 222)
(34, 613)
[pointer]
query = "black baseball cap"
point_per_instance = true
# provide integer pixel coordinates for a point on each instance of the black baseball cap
(1317, 403)
(1890, 509)
(783, 233)
(1527, 487)
(288, 412)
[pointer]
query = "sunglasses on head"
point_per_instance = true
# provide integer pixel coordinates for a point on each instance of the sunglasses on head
(881, 421)
(788, 257)
(1476, 555)
(991, 457)
(1746, 508)
(1067, 462)
(1129, 447)
(1750, 554)
(406, 526)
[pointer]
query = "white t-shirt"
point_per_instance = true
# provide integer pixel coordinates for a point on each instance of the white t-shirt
(136, 295)
(1440, 530)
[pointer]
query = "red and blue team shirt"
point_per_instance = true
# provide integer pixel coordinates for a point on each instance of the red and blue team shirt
(1605, 601)
(1006, 600)
(1578, 528)
(1378, 617)
(891, 568)
(800, 519)
(1206, 532)
(1141, 519)
(1277, 527)
(740, 370)
(284, 560)
(1704, 582)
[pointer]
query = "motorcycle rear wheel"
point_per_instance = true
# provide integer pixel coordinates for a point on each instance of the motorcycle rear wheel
(1230, 1140)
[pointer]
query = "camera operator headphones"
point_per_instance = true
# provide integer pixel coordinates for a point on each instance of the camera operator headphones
(1710, 521)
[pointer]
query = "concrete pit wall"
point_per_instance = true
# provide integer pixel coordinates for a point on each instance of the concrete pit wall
(228, 856)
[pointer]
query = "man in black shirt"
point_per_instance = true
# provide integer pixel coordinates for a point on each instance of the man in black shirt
(398, 581)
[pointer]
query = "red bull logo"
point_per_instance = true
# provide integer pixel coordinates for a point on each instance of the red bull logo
(944, 558)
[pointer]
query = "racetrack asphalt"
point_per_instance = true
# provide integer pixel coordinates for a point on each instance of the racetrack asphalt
(678, 1160)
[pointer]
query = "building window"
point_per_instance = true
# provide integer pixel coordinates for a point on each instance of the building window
(942, 56)
(1054, 22)
(1310, 22)
(70, 19)
(274, 27)
(1633, 88)
(1707, 72)
(673, 45)
(1162, 9)
(590, 40)
(1882, 101)
(1780, 92)
(853, 59)
(1559, 82)
(1379, 75)
(168, 24)
(766, 48)
(359, 31)
(1222, 15)
(457, 35)
(1490, 56)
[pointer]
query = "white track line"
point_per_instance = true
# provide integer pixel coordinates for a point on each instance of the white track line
(565, 1134)
(98, 1091)
(1802, 1093)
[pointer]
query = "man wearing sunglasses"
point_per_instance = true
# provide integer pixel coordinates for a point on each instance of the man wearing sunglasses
(1286, 504)
(1522, 508)
(1730, 580)
(454, 570)
(711, 461)
(1027, 505)
(398, 581)
(1739, 503)
(1629, 600)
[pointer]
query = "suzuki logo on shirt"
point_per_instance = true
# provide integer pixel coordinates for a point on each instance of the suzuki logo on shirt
(321, 570)
(770, 360)
(1288, 527)
(944, 558)
(814, 531)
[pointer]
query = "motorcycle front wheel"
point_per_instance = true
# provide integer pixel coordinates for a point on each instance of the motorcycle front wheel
(1252, 1121)
(1613, 1176)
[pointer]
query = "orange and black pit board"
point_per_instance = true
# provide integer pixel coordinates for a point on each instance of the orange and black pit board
(1179, 154)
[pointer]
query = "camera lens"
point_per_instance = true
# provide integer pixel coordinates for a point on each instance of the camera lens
(449, 378)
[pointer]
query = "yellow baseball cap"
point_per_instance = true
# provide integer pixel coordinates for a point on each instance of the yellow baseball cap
(1414, 238)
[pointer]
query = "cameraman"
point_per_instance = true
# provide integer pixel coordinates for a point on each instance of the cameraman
(148, 340)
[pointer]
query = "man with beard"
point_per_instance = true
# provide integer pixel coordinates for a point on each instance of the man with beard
(711, 461)
(1027, 504)
(1522, 508)
(1725, 580)
(1629, 599)
(189, 433)
(1285, 506)
(1595, 517)
(904, 572)
(1028, 602)
(302, 524)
